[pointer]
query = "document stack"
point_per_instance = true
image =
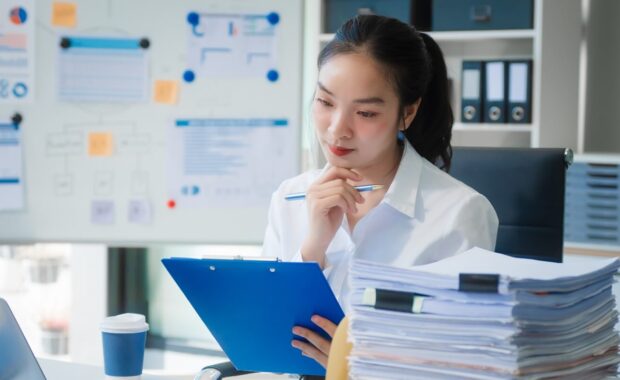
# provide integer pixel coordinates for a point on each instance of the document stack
(483, 315)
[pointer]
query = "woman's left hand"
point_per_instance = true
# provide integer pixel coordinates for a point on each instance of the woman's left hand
(317, 346)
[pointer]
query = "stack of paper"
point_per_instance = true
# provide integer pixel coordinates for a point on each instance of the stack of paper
(483, 315)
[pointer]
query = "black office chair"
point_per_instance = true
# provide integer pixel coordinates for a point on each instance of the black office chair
(227, 369)
(526, 188)
(219, 371)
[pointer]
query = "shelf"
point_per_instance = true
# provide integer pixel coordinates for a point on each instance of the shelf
(482, 127)
(325, 37)
(480, 35)
(598, 158)
(591, 249)
(468, 35)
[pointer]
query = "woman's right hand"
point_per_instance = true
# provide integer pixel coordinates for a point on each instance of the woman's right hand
(328, 199)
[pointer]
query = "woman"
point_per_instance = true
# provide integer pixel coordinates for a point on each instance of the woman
(382, 116)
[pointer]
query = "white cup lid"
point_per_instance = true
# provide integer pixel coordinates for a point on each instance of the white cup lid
(124, 324)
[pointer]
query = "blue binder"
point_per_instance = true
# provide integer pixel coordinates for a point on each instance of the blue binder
(519, 91)
(495, 92)
(251, 306)
(472, 91)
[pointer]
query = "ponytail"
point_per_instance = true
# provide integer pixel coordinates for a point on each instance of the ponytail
(431, 130)
(416, 68)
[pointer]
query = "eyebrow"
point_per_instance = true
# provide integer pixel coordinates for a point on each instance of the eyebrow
(371, 100)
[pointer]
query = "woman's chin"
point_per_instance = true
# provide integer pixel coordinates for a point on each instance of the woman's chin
(339, 162)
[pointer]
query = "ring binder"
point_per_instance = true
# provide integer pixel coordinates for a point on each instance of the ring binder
(471, 91)
(495, 92)
(519, 91)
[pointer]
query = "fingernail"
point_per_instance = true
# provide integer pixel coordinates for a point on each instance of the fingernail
(295, 330)
(314, 318)
(294, 344)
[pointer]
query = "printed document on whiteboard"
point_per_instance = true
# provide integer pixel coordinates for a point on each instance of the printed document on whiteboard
(11, 179)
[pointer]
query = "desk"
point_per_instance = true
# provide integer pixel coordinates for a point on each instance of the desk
(63, 370)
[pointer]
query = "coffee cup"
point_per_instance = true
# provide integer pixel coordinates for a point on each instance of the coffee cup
(124, 340)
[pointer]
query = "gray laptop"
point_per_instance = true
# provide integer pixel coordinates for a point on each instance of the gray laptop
(17, 362)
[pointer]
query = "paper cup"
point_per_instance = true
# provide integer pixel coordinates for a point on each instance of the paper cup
(124, 339)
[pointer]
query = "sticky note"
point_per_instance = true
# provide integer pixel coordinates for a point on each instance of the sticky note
(64, 14)
(100, 144)
(102, 212)
(166, 91)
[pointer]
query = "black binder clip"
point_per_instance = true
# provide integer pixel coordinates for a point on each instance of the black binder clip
(480, 283)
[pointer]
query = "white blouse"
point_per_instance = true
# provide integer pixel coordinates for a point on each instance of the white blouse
(426, 215)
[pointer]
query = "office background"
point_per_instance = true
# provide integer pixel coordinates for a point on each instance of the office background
(574, 88)
(110, 157)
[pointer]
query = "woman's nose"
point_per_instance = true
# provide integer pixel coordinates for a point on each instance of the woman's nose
(340, 127)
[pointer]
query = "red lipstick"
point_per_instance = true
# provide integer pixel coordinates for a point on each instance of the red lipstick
(339, 151)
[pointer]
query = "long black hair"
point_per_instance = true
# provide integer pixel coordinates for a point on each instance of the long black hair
(414, 64)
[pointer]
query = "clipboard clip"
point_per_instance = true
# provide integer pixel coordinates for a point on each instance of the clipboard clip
(239, 257)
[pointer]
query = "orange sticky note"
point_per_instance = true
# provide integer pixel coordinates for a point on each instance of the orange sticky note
(166, 91)
(100, 144)
(64, 14)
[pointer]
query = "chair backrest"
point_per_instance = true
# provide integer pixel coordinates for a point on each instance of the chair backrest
(526, 188)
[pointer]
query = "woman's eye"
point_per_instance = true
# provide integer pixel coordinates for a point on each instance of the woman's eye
(323, 102)
(366, 115)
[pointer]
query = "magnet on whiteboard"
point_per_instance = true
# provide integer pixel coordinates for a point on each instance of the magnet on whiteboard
(17, 119)
(65, 43)
(273, 75)
(145, 43)
(193, 18)
(273, 18)
(189, 76)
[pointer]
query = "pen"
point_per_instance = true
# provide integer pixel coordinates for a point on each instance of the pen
(299, 196)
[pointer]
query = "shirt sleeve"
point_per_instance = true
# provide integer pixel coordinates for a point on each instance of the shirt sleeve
(272, 246)
(474, 224)
(328, 266)
(272, 241)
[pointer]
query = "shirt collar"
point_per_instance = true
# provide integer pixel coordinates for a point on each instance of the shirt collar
(403, 191)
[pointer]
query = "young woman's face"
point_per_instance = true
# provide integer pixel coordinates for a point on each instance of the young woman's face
(355, 111)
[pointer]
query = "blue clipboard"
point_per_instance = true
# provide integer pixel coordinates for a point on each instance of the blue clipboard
(251, 306)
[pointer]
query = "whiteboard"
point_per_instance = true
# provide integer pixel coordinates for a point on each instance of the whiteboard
(121, 158)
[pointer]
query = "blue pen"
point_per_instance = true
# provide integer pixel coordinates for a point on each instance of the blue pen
(299, 196)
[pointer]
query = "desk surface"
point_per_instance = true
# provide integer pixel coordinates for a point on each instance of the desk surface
(62, 370)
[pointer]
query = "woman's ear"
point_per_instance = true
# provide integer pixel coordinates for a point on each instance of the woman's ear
(410, 111)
